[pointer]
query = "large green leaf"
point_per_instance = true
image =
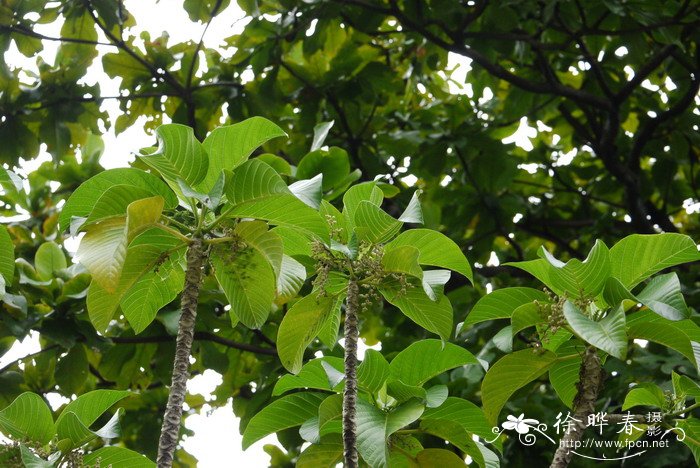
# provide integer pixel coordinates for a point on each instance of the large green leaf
(154, 289)
(151, 255)
(288, 411)
(501, 304)
(573, 278)
(72, 370)
(366, 191)
(663, 296)
(607, 334)
(291, 278)
(115, 201)
(83, 200)
(28, 417)
(248, 281)
(49, 259)
(88, 407)
(564, 374)
(466, 414)
(375, 426)
(230, 146)
(425, 359)
(434, 316)
(179, 156)
(435, 248)
(644, 394)
(256, 190)
(639, 256)
(403, 260)
(677, 335)
(510, 373)
(117, 457)
(325, 454)
(300, 326)
(333, 164)
(7, 256)
(103, 248)
(312, 375)
(372, 371)
(374, 225)
(256, 235)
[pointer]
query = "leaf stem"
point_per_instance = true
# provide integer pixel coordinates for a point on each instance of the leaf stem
(685, 410)
(219, 218)
(175, 233)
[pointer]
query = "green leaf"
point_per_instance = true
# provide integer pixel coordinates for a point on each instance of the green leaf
(691, 426)
(248, 281)
(663, 296)
(509, 374)
(7, 256)
(639, 256)
(31, 460)
(103, 248)
(372, 371)
(320, 133)
(502, 303)
(288, 411)
(230, 146)
(147, 253)
(438, 457)
(434, 282)
(290, 280)
(325, 454)
(375, 426)
(425, 359)
(312, 375)
(413, 212)
(564, 374)
(404, 260)
(115, 201)
(573, 278)
(435, 248)
(48, 260)
(465, 414)
(28, 417)
(117, 457)
(255, 190)
(256, 235)
(434, 316)
(366, 191)
(525, 316)
(83, 200)
(684, 387)
(644, 394)
(333, 164)
(677, 335)
(300, 326)
(373, 225)
(607, 334)
(72, 370)
(309, 191)
(87, 408)
(156, 287)
(179, 156)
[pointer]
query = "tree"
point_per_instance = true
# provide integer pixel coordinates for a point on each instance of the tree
(607, 91)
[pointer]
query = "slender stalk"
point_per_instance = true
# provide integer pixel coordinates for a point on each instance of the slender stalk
(589, 385)
(169, 433)
(350, 393)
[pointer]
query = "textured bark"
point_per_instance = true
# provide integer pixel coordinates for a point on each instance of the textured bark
(350, 393)
(169, 433)
(589, 385)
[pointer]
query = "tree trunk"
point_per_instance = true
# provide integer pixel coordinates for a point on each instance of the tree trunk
(589, 385)
(350, 393)
(169, 433)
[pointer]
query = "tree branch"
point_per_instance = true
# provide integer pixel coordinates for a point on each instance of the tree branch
(198, 336)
